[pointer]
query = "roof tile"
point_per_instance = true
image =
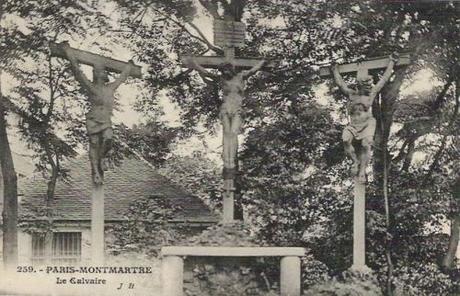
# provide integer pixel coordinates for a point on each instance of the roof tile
(123, 184)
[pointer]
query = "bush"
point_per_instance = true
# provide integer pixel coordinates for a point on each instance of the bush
(349, 284)
(218, 280)
(313, 272)
(420, 280)
(221, 277)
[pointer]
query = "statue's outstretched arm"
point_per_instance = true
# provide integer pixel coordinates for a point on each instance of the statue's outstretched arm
(122, 77)
(339, 80)
(254, 69)
(193, 65)
(387, 74)
(79, 75)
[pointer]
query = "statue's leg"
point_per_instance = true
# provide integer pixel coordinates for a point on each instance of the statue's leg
(94, 157)
(106, 146)
(347, 138)
(227, 140)
(365, 156)
(235, 127)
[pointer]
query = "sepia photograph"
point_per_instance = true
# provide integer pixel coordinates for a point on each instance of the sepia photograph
(230, 147)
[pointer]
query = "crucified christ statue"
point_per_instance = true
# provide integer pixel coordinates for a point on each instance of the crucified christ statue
(233, 84)
(360, 131)
(98, 119)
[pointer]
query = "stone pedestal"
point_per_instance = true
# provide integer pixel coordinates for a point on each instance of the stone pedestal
(97, 225)
(290, 276)
(172, 273)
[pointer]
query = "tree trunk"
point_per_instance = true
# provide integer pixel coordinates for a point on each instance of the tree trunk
(10, 194)
(383, 113)
(448, 260)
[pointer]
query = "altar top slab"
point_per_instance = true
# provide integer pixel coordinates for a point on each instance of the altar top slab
(202, 251)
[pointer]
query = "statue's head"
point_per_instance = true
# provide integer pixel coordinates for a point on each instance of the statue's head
(100, 75)
(365, 85)
(228, 70)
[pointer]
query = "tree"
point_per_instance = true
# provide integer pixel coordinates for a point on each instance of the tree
(41, 88)
(10, 202)
(284, 166)
(152, 140)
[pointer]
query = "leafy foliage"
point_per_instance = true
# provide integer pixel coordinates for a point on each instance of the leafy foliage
(422, 279)
(295, 186)
(144, 229)
(197, 175)
(349, 283)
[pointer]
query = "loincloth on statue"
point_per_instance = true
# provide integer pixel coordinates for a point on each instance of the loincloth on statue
(97, 122)
(231, 106)
(360, 131)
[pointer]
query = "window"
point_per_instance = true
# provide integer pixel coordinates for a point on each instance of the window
(38, 249)
(65, 248)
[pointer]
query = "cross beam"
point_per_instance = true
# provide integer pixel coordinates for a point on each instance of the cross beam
(374, 64)
(92, 59)
(216, 61)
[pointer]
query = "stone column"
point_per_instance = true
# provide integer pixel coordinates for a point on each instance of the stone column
(97, 225)
(228, 202)
(359, 226)
(172, 273)
(290, 276)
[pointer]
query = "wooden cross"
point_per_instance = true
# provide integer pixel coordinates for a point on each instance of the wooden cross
(228, 35)
(359, 203)
(363, 68)
(97, 194)
(92, 59)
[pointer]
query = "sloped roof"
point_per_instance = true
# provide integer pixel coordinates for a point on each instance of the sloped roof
(123, 184)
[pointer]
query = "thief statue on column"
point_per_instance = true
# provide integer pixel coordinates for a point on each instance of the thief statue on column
(358, 135)
(233, 84)
(98, 120)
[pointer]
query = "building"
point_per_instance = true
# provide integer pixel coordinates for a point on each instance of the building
(71, 242)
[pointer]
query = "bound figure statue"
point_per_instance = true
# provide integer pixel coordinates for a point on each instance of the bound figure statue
(99, 118)
(358, 135)
(233, 84)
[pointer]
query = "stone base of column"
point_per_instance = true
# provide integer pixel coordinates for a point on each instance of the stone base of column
(360, 268)
(290, 276)
(172, 274)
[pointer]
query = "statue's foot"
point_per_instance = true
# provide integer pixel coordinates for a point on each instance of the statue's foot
(104, 165)
(354, 169)
(362, 177)
(97, 179)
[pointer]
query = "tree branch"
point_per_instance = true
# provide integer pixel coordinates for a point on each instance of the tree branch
(202, 38)
(210, 7)
(452, 121)
(208, 43)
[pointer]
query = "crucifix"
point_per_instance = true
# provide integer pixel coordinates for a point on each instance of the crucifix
(358, 135)
(100, 93)
(234, 71)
